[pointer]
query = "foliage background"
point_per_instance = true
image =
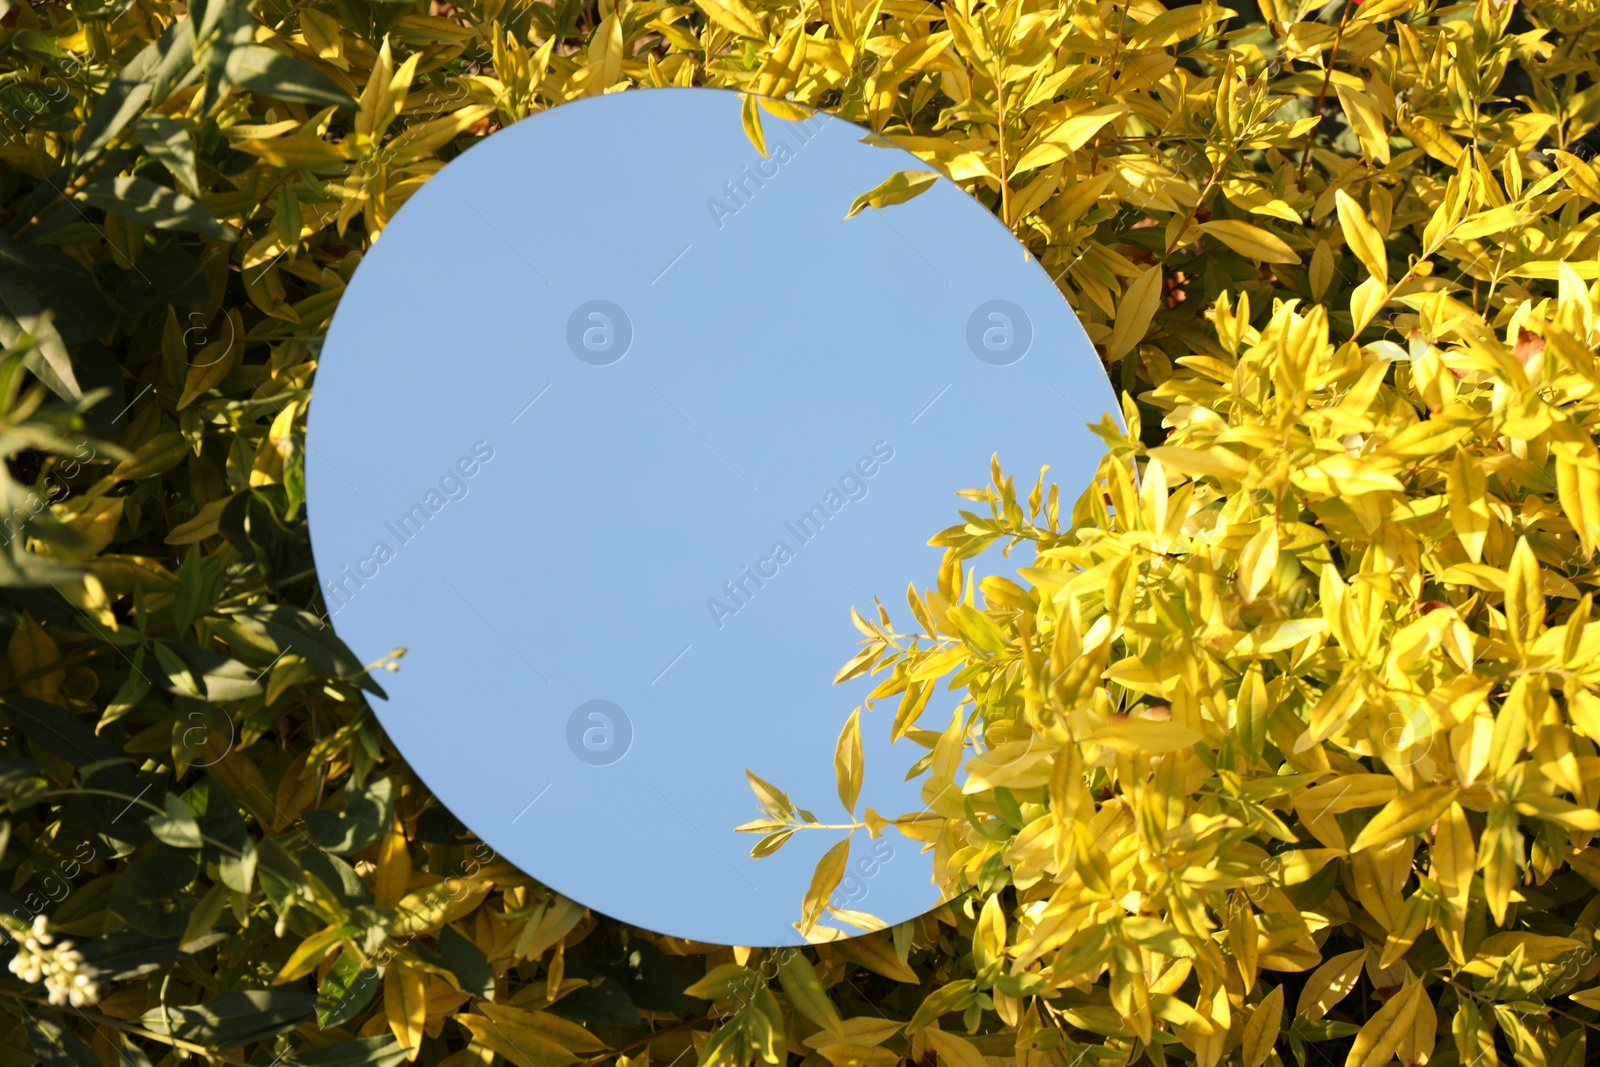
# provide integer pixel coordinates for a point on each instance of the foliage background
(1286, 752)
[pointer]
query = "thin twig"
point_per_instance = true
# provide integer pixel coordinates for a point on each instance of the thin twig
(63, 195)
(1327, 77)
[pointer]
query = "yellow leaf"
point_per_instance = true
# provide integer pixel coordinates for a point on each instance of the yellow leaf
(732, 16)
(1342, 475)
(1347, 793)
(1322, 266)
(393, 869)
(861, 920)
(1253, 241)
(405, 1003)
(1498, 850)
(1524, 606)
(202, 526)
(1261, 1032)
(876, 954)
(897, 188)
(308, 954)
(721, 981)
(989, 936)
(824, 880)
(1366, 300)
(1469, 506)
(1454, 855)
(750, 116)
(1367, 121)
(805, 991)
(1330, 983)
(786, 109)
(430, 907)
(32, 650)
(1063, 139)
(1494, 221)
(847, 762)
(1138, 307)
(605, 55)
(859, 1031)
(784, 66)
(1376, 1042)
(296, 152)
(521, 1046)
(954, 1050)
(1215, 462)
(1409, 813)
(1430, 437)
(849, 1054)
(1257, 561)
(542, 1025)
(156, 456)
(428, 137)
(1258, 200)
(384, 94)
(213, 362)
(1145, 737)
(1363, 238)
(1580, 175)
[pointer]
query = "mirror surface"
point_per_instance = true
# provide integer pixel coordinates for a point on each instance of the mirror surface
(612, 428)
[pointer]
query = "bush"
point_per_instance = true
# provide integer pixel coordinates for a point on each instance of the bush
(1285, 749)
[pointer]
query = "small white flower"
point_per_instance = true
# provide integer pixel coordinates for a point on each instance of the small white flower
(61, 967)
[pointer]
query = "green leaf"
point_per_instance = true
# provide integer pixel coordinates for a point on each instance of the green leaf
(67, 737)
(201, 672)
(167, 141)
(154, 205)
(36, 106)
(282, 77)
(35, 331)
(305, 635)
(466, 961)
(602, 1001)
(36, 44)
(648, 977)
(176, 826)
(164, 65)
(346, 990)
(56, 1047)
(147, 894)
(233, 1019)
(368, 813)
(382, 1051)
(129, 953)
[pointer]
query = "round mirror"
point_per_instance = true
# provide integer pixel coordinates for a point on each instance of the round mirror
(614, 426)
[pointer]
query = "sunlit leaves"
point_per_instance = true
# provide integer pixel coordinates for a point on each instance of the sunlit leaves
(897, 188)
(1303, 686)
(1251, 240)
